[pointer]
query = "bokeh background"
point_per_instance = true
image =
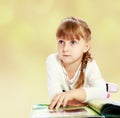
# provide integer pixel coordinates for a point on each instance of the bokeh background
(27, 37)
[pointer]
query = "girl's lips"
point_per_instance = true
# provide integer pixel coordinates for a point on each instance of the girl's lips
(66, 55)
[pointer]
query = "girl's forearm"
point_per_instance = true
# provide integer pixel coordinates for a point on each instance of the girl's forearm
(80, 94)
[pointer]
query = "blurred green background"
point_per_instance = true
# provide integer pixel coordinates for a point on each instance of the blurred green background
(27, 37)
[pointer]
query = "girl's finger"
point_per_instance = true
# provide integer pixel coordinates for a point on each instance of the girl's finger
(54, 102)
(65, 102)
(59, 102)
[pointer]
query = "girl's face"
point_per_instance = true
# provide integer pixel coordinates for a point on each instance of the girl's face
(71, 51)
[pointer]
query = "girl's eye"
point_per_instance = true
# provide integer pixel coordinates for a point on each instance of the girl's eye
(60, 42)
(73, 42)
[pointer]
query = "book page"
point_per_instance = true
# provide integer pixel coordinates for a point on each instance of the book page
(96, 105)
(117, 103)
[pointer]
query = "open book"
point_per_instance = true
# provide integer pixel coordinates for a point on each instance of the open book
(93, 109)
(106, 108)
(83, 111)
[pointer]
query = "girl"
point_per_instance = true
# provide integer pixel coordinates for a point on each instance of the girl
(73, 75)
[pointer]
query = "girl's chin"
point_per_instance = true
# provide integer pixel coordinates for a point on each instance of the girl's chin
(66, 62)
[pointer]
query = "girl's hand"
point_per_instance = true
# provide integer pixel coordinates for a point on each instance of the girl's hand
(64, 97)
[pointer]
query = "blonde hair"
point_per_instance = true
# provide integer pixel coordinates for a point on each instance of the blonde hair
(74, 28)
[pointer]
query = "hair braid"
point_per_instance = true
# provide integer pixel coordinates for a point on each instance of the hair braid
(85, 59)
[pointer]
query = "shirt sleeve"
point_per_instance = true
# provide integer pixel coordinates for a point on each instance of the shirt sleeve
(53, 76)
(97, 85)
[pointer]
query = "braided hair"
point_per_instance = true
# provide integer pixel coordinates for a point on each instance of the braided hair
(85, 59)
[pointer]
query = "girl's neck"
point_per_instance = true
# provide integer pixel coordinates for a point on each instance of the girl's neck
(71, 68)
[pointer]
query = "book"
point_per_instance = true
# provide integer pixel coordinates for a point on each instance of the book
(106, 108)
(83, 111)
(94, 109)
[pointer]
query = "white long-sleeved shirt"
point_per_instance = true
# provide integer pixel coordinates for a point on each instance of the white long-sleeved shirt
(94, 85)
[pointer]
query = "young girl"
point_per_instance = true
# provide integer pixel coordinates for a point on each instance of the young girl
(73, 75)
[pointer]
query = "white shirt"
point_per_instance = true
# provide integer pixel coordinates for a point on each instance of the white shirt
(94, 85)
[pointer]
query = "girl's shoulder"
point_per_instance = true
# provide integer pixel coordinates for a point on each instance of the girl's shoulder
(53, 58)
(92, 67)
(54, 61)
(92, 64)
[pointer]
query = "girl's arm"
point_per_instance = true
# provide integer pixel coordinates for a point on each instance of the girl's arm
(53, 76)
(96, 85)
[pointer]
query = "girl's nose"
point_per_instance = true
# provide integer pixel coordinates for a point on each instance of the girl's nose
(66, 47)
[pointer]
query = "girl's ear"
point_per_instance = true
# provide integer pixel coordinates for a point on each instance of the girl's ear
(87, 47)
